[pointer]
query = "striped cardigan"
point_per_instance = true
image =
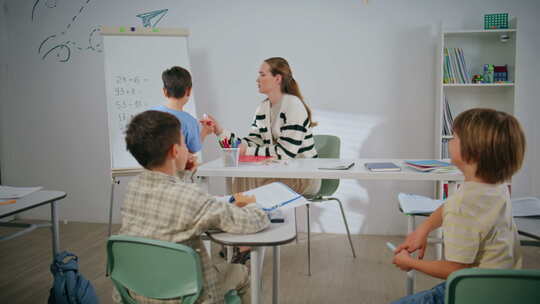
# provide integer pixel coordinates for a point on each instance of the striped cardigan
(292, 134)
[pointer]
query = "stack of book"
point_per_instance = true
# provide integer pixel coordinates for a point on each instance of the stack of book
(430, 165)
(455, 68)
(448, 121)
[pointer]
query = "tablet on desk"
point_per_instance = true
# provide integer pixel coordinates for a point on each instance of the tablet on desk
(382, 167)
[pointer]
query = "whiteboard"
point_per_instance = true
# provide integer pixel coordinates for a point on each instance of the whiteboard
(134, 61)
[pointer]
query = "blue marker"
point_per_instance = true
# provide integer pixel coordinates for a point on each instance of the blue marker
(231, 199)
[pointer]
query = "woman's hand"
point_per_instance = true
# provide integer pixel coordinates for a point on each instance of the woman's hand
(403, 260)
(241, 200)
(243, 148)
(416, 240)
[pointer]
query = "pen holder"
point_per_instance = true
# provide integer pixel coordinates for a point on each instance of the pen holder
(230, 156)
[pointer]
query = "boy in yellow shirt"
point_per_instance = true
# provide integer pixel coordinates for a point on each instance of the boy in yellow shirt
(488, 147)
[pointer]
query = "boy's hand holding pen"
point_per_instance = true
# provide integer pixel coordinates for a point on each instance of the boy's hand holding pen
(241, 200)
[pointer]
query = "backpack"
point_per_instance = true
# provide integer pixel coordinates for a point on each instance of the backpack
(69, 286)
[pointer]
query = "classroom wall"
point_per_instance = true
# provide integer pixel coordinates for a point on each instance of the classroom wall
(3, 74)
(366, 70)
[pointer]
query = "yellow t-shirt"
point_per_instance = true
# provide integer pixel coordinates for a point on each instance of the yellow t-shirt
(479, 229)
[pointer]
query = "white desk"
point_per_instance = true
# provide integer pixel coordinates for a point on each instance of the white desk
(274, 236)
(308, 168)
(28, 202)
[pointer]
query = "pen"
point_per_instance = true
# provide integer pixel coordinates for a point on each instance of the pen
(391, 246)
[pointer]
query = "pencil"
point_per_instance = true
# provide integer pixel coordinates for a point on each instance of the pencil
(8, 202)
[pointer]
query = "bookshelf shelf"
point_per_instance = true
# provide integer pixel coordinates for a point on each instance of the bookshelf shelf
(479, 32)
(476, 85)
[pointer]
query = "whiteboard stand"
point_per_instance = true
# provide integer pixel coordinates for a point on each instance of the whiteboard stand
(114, 181)
(134, 59)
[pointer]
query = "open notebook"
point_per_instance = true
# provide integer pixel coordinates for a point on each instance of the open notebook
(273, 196)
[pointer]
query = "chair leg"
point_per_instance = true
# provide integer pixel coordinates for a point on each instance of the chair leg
(346, 224)
(295, 226)
(308, 243)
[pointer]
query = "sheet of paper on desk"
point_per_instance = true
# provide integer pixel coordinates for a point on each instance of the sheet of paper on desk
(7, 192)
(276, 195)
(411, 203)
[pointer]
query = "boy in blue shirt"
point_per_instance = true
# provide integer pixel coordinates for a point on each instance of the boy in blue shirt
(177, 87)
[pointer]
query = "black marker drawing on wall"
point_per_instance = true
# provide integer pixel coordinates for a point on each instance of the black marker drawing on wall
(151, 19)
(48, 4)
(58, 46)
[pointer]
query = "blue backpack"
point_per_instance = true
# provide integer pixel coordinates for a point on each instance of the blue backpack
(69, 286)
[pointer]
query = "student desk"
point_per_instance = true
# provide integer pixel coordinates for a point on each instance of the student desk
(308, 168)
(28, 202)
(530, 227)
(274, 236)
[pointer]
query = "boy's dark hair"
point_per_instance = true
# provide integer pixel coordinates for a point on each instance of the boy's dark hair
(493, 140)
(176, 81)
(150, 135)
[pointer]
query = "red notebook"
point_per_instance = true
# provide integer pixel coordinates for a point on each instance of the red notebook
(253, 158)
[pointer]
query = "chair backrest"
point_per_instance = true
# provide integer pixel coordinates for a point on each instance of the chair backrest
(327, 146)
(154, 269)
(493, 286)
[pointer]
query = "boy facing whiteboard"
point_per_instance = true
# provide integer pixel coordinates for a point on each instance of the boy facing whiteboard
(177, 87)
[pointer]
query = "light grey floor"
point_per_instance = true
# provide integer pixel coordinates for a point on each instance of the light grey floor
(336, 276)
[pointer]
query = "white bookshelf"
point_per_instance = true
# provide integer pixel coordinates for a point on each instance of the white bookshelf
(479, 47)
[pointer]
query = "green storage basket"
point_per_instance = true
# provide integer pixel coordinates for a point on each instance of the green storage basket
(496, 21)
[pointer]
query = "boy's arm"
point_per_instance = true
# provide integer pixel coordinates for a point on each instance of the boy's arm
(438, 269)
(417, 239)
(215, 214)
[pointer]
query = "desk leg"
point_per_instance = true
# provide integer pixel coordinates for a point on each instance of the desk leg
(452, 188)
(409, 285)
(256, 274)
(113, 182)
(275, 276)
(55, 229)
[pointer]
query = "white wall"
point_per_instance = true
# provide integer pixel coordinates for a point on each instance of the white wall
(3, 75)
(367, 71)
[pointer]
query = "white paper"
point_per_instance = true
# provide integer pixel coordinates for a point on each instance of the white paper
(7, 192)
(337, 166)
(411, 203)
(527, 206)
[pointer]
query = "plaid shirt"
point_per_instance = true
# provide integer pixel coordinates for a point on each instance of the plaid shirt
(163, 207)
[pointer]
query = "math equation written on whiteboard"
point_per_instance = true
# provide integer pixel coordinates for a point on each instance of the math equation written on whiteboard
(128, 93)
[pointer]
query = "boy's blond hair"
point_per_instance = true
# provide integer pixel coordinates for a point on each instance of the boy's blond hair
(494, 140)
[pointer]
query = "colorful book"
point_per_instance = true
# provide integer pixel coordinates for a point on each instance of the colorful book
(429, 165)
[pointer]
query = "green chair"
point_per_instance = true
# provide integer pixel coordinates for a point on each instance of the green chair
(328, 146)
(155, 269)
(493, 286)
